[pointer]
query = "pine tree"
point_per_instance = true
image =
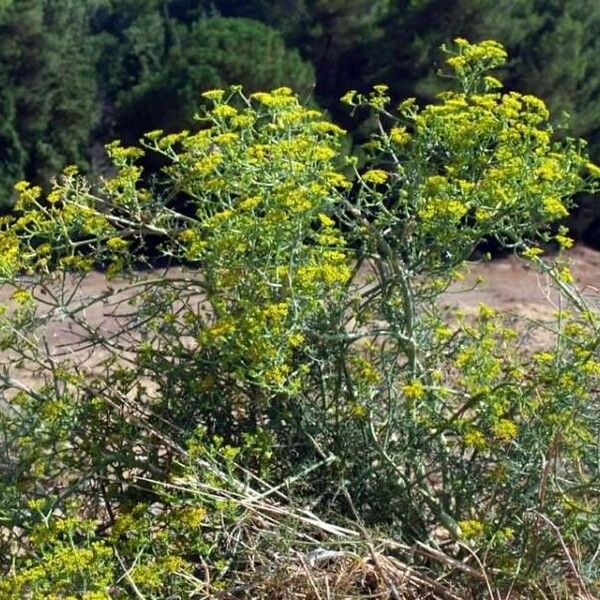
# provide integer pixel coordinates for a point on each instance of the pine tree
(46, 63)
(12, 155)
(211, 53)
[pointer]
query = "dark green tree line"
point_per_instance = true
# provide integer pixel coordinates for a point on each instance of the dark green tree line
(211, 53)
(49, 91)
(76, 74)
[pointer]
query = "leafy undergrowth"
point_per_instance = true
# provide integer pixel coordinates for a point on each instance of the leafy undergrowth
(228, 534)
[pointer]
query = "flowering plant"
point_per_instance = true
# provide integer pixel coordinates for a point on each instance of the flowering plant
(300, 331)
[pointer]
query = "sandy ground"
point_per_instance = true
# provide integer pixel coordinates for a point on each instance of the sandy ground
(508, 284)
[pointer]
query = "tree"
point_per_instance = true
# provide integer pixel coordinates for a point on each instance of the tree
(131, 40)
(47, 67)
(12, 155)
(336, 36)
(211, 53)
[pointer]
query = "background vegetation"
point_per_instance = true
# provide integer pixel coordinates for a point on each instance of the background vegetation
(76, 74)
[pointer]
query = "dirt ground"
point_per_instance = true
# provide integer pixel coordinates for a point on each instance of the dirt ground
(509, 284)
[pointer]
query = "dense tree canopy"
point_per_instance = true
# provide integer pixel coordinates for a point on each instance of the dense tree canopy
(46, 61)
(211, 53)
(77, 74)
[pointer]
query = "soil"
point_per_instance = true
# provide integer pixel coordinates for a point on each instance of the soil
(509, 284)
(512, 285)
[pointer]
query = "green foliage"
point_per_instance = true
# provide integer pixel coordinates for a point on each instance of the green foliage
(80, 73)
(212, 53)
(337, 36)
(12, 155)
(46, 65)
(303, 343)
(552, 45)
(131, 40)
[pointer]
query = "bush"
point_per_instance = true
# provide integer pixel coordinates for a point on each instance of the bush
(301, 357)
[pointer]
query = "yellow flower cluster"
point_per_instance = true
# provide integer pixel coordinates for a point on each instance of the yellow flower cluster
(399, 135)
(469, 56)
(471, 528)
(413, 390)
(505, 430)
(554, 208)
(376, 176)
(279, 98)
(475, 439)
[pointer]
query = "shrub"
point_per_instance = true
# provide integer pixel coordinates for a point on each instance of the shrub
(302, 347)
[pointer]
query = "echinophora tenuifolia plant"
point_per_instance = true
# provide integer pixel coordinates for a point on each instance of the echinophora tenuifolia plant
(301, 332)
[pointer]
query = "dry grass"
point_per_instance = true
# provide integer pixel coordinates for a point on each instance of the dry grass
(282, 551)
